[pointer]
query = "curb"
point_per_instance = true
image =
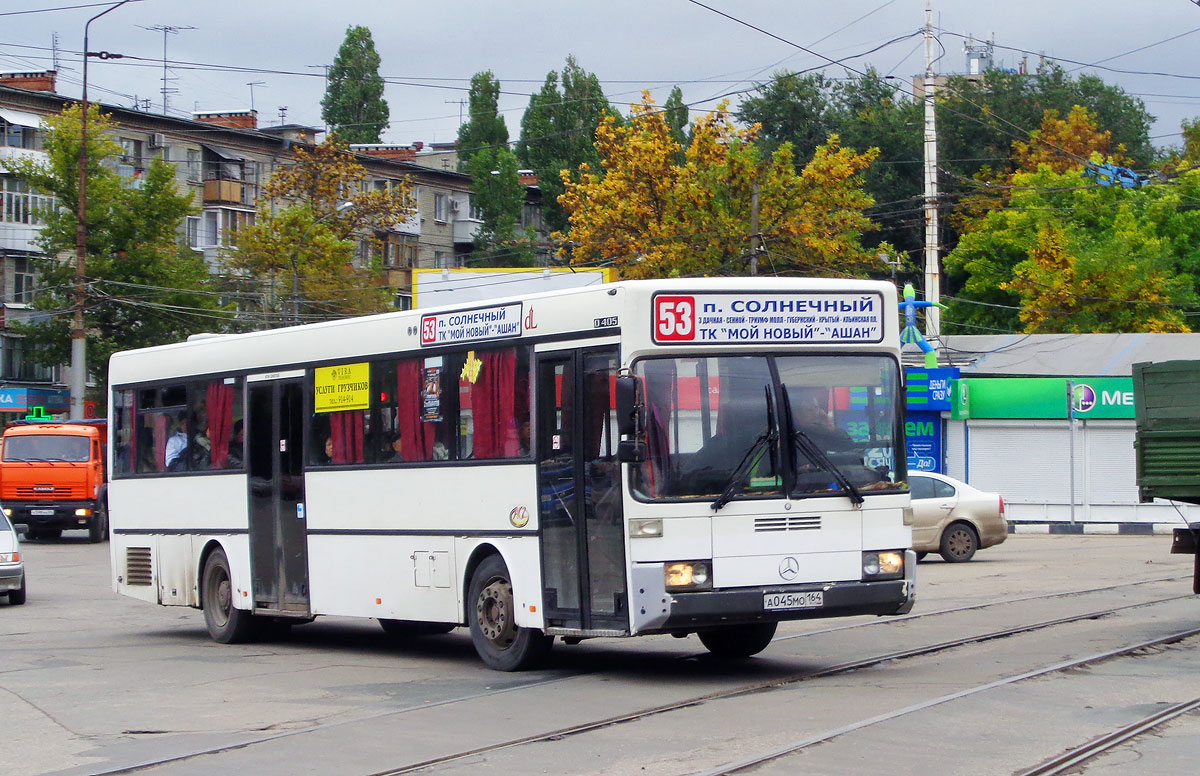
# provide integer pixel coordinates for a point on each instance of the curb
(1108, 529)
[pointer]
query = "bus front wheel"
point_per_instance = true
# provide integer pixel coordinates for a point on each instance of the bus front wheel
(735, 641)
(226, 623)
(501, 644)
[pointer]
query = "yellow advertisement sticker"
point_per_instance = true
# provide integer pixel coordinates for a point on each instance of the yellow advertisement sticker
(343, 387)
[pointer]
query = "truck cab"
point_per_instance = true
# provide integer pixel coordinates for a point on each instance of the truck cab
(53, 478)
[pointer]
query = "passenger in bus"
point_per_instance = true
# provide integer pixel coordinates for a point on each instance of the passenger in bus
(177, 445)
(394, 453)
(236, 438)
(818, 426)
(326, 454)
(523, 438)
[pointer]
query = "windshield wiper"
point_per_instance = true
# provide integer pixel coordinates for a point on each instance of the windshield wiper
(751, 458)
(804, 443)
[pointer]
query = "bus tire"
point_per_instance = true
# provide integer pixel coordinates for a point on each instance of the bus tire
(737, 641)
(226, 623)
(501, 644)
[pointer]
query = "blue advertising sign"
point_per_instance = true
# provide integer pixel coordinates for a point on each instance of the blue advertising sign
(923, 441)
(929, 389)
(20, 399)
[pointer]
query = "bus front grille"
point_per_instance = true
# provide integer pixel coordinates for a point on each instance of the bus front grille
(137, 566)
(787, 523)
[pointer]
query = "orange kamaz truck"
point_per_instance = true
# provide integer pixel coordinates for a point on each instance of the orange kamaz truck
(53, 477)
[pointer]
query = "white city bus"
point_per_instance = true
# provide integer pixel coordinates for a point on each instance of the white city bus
(707, 456)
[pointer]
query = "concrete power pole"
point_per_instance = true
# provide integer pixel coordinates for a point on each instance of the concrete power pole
(933, 278)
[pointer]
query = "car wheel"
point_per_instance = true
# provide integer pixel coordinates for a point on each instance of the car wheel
(501, 644)
(406, 628)
(17, 597)
(226, 623)
(921, 555)
(734, 641)
(959, 543)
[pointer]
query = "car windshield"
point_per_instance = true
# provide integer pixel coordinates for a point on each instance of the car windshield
(705, 415)
(46, 447)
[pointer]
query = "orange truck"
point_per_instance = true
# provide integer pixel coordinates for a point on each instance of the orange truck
(53, 477)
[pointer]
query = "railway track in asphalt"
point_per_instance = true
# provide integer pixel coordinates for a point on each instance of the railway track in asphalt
(772, 684)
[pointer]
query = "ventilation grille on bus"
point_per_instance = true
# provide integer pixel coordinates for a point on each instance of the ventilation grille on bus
(789, 523)
(137, 566)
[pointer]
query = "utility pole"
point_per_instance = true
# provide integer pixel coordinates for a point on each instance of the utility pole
(78, 381)
(755, 239)
(165, 29)
(933, 278)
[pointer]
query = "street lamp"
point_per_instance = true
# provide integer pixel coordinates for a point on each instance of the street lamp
(78, 332)
(342, 208)
(893, 264)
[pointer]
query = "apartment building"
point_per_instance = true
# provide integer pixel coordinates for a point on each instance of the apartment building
(223, 158)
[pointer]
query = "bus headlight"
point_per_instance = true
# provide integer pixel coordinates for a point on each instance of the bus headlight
(642, 528)
(883, 565)
(687, 575)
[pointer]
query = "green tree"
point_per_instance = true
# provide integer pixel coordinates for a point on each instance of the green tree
(143, 288)
(498, 194)
(308, 226)
(485, 127)
(790, 108)
(1064, 254)
(677, 118)
(558, 130)
(353, 105)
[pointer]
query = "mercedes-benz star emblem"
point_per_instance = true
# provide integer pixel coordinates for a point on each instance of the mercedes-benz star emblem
(789, 567)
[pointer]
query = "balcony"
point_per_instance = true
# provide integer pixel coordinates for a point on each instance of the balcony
(223, 191)
(465, 229)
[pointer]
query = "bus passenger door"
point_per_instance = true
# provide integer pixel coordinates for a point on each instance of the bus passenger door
(579, 484)
(278, 535)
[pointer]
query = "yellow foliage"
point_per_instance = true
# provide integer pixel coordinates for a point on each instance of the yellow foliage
(652, 216)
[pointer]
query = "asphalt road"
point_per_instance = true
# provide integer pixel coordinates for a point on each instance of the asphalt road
(92, 682)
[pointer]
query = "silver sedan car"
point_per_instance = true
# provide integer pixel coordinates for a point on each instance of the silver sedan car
(952, 518)
(12, 568)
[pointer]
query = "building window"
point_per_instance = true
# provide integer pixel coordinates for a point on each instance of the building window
(219, 225)
(19, 205)
(24, 280)
(193, 231)
(17, 136)
(193, 164)
(441, 207)
(476, 212)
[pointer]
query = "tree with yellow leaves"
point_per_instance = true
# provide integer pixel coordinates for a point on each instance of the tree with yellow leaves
(651, 216)
(307, 229)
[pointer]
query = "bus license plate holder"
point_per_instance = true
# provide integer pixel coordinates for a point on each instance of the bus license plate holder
(804, 599)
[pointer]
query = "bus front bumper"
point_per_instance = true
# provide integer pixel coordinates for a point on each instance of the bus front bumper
(657, 611)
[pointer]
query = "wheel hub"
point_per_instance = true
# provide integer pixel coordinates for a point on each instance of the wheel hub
(493, 612)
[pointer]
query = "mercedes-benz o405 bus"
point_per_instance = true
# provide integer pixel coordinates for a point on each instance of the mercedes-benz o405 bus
(709, 456)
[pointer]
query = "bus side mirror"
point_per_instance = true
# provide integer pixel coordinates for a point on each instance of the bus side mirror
(627, 405)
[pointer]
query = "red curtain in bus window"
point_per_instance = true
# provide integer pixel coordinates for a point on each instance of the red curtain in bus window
(660, 395)
(219, 401)
(493, 403)
(418, 436)
(347, 431)
(162, 421)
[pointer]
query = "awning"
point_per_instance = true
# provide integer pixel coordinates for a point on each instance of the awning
(20, 118)
(224, 153)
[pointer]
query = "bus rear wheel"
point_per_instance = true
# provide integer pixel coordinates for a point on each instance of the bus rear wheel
(501, 644)
(226, 623)
(736, 641)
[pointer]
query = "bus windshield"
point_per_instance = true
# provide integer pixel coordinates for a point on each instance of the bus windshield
(46, 447)
(832, 431)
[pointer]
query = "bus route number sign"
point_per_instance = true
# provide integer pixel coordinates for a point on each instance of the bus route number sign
(815, 317)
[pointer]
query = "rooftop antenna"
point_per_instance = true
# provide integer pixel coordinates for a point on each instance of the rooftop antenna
(282, 115)
(54, 50)
(165, 29)
(253, 84)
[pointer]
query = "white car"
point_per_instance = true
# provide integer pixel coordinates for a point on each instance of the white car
(12, 568)
(952, 518)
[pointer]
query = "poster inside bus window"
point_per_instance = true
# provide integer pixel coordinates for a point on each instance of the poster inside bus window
(431, 391)
(342, 387)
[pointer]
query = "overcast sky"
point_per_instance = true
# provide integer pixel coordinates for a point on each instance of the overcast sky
(430, 50)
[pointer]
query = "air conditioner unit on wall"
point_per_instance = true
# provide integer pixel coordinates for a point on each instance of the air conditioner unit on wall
(454, 206)
(157, 140)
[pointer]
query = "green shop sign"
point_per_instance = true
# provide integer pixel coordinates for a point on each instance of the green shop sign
(1041, 397)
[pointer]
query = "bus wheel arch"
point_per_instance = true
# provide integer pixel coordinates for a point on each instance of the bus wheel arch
(490, 615)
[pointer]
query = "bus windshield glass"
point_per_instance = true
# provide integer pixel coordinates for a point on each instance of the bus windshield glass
(831, 421)
(46, 447)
